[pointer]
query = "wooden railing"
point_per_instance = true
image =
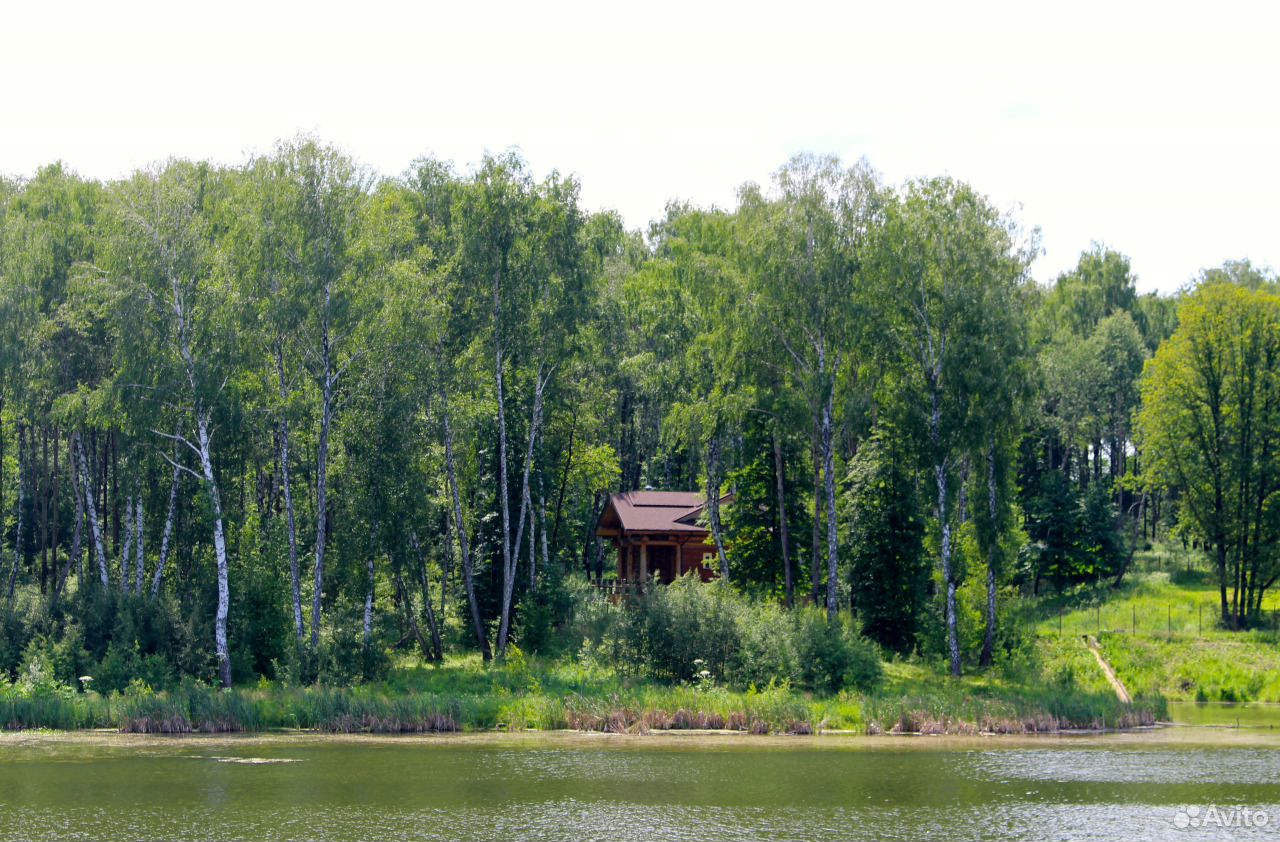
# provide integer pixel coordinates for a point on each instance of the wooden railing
(616, 589)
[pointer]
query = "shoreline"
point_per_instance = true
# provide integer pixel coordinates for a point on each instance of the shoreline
(1171, 734)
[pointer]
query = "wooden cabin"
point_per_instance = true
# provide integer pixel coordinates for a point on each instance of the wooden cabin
(657, 532)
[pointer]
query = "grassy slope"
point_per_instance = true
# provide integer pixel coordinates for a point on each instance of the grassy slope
(1159, 632)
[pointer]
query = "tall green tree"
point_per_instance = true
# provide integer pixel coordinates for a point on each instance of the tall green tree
(1209, 428)
(806, 246)
(949, 267)
(314, 195)
(165, 222)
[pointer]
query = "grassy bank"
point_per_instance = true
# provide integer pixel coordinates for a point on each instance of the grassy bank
(1157, 631)
(464, 695)
(1160, 633)
(1245, 668)
(1060, 689)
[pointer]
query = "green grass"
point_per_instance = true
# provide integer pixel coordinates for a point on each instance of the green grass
(465, 694)
(1151, 630)
(1061, 688)
(1243, 668)
(461, 695)
(1160, 633)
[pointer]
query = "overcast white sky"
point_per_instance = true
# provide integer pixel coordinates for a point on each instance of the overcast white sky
(1150, 127)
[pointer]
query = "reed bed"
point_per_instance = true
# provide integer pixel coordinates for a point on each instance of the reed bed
(927, 709)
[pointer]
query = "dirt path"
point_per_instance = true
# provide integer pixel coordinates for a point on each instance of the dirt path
(1116, 684)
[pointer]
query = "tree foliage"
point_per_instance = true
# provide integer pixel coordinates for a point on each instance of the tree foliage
(285, 417)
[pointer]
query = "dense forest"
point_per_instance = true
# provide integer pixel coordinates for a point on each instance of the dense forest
(291, 417)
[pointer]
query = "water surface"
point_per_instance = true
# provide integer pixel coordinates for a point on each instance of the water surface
(1226, 714)
(609, 788)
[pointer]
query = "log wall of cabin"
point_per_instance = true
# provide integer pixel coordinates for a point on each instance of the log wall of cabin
(636, 561)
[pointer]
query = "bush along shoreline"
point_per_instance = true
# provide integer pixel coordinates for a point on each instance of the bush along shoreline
(687, 656)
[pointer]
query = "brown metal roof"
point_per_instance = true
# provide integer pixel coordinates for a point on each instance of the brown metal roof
(653, 511)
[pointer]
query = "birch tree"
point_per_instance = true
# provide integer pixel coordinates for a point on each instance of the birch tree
(261, 229)
(428, 324)
(55, 341)
(949, 265)
(320, 193)
(165, 220)
(166, 536)
(806, 245)
(518, 241)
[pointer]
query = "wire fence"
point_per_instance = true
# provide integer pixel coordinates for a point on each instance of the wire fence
(1183, 619)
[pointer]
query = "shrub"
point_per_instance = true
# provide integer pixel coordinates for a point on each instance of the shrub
(543, 613)
(37, 679)
(832, 656)
(341, 660)
(14, 636)
(766, 647)
(685, 622)
(66, 658)
(676, 632)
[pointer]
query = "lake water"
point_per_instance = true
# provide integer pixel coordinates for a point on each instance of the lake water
(564, 787)
(1252, 715)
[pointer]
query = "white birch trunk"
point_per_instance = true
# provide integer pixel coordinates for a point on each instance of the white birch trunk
(95, 528)
(546, 550)
(815, 552)
(126, 552)
(464, 544)
(944, 518)
(328, 389)
(77, 536)
(713, 502)
(509, 580)
(533, 555)
(989, 637)
(219, 548)
(139, 548)
(203, 450)
(368, 601)
(322, 496)
(166, 535)
(944, 521)
(829, 476)
(783, 538)
(448, 564)
(508, 574)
